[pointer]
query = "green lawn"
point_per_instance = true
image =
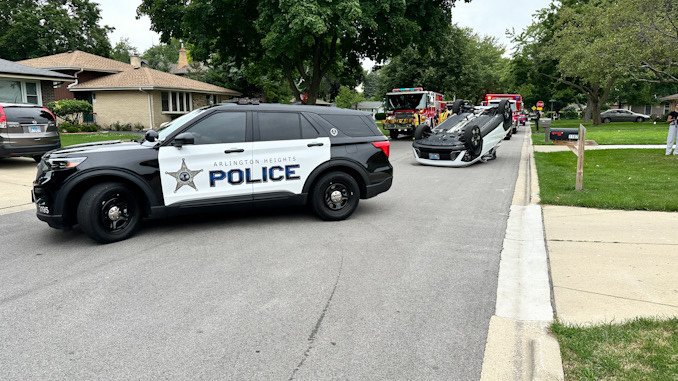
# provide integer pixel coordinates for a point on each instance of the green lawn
(71, 139)
(631, 179)
(642, 349)
(612, 133)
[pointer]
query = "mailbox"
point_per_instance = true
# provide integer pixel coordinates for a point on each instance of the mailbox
(564, 134)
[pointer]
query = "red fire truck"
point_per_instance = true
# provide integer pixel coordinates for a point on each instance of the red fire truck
(403, 103)
(516, 101)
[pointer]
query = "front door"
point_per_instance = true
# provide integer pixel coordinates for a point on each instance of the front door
(214, 166)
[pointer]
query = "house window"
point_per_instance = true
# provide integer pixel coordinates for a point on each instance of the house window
(176, 102)
(666, 109)
(20, 91)
(213, 99)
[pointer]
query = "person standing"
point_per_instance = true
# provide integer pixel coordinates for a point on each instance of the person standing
(673, 132)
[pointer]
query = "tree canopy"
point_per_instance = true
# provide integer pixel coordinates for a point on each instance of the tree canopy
(304, 39)
(36, 28)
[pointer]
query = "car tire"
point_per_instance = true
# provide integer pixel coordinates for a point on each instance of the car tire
(394, 134)
(109, 212)
(504, 109)
(606, 120)
(473, 141)
(37, 158)
(639, 119)
(515, 129)
(456, 106)
(335, 196)
(508, 135)
(423, 131)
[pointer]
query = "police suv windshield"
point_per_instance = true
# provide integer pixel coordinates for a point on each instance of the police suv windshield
(407, 101)
(177, 123)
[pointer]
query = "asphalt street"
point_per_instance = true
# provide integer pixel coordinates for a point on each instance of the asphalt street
(404, 289)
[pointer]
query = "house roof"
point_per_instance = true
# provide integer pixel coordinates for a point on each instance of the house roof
(19, 70)
(669, 98)
(370, 104)
(77, 60)
(148, 79)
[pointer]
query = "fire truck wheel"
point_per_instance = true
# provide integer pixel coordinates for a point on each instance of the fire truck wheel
(423, 131)
(394, 134)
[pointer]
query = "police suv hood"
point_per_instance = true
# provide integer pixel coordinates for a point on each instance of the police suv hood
(95, 147)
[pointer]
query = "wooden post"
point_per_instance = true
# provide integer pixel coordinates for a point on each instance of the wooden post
(580, 158)
(547, 131)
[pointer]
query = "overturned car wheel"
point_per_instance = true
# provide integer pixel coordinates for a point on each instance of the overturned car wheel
(504, 109)
(423, 131)
(473, 141)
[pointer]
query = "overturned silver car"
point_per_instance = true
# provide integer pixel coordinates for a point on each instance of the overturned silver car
(471, 134)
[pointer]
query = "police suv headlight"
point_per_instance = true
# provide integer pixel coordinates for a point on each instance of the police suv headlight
(60, 164)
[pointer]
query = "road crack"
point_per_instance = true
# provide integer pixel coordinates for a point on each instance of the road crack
(314, 332)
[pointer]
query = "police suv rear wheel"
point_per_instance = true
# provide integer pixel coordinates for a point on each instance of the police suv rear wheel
(335, 196)
(109, 212)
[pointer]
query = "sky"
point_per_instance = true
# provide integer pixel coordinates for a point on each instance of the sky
(486, 17)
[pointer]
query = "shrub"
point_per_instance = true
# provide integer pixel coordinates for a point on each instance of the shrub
(569, 114)
(121, 127)
(72, 129)
(89, 128)
(138, 126)
(69, 109)
(380, 116)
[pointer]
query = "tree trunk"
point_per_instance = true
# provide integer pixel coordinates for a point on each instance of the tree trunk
(587, 111)
(595, 111)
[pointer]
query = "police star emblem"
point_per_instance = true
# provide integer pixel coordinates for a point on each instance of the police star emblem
(184, 176)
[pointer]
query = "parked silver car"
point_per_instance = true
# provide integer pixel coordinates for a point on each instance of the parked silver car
(622, 116)
(27, 130)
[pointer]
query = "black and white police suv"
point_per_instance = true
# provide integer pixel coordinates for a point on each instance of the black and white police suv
(230, 155)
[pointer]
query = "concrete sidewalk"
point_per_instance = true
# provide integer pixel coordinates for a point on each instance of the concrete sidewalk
(612, 265)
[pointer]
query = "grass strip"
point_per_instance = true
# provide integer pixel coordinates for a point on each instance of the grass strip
(612, 133)
(641, 349)
(629, 179)
(71, 139)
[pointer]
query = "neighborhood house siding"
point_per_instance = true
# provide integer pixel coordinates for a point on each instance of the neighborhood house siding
(158, 116)
(47, 90)
(121, 106)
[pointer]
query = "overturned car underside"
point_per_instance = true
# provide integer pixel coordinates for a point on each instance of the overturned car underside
(471, 134)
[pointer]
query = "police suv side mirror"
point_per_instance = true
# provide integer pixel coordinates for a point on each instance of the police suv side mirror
(151, 135)
(183, 139)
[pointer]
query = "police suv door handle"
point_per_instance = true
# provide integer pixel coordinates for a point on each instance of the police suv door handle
(315, 144)
(235, 150)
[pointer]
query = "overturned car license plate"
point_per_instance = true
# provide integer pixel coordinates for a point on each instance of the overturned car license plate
(434, 156)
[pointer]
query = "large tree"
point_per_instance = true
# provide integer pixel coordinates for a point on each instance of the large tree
(123, 50)
(305, 39)
(36, 28)
(647, 31)
(468, 66)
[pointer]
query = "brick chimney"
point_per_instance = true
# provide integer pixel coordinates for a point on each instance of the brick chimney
(183, 58)
(135, 60)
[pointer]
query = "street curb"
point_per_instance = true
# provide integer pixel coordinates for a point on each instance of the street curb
(519, 346)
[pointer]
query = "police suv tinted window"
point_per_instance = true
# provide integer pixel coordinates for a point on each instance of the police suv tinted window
(307, 130)
(222, 127)
(279, 126)
(351, 125)
(28, 115)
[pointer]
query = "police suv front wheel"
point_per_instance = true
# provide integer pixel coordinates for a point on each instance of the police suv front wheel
(109, 212)
(335, 196)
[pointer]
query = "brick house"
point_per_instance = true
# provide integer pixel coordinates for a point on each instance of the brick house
(128, 93)
(24, 84)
